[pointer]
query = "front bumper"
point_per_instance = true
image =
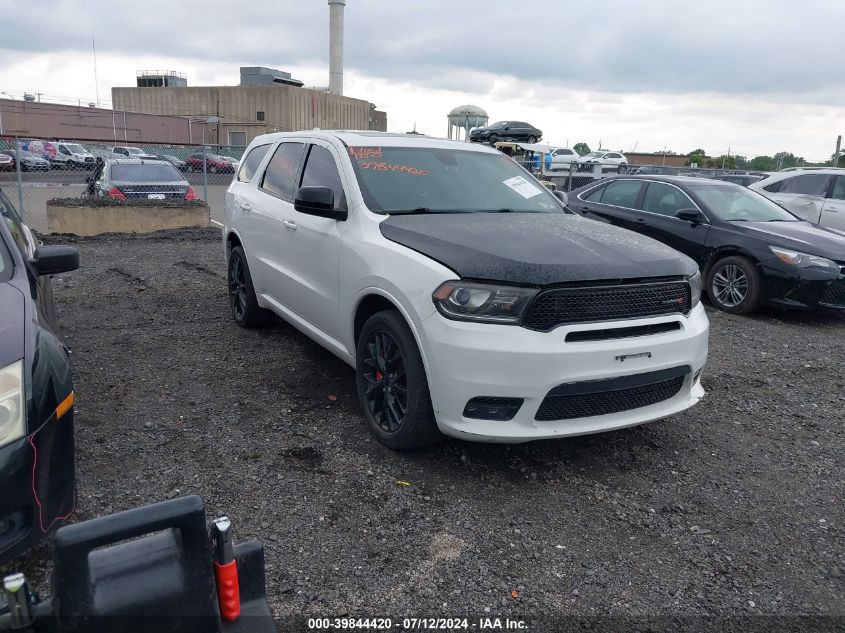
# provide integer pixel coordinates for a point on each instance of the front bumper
(37, 483)
(470, 360)
(807, 288)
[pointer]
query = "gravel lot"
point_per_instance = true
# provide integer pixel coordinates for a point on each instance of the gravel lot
(734, 508)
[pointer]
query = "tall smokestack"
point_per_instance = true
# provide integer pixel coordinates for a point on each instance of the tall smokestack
(336, 8)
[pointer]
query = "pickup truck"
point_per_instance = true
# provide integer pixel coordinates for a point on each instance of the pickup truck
(123, 151)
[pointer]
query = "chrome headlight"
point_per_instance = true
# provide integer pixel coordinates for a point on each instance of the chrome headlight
(695, 289)
(803, 260)
(489, 303)
(12, 418)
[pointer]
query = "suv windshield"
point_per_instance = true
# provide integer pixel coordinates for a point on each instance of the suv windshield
(134, 150)
(76, 149)
(736, 204)
(419, 179)
(147, 172)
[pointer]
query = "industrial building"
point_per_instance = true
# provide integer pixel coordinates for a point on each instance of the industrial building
(266, 100)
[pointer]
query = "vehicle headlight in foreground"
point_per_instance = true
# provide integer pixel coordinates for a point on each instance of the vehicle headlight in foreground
(11, 403)
(695, 289)
(490, 303)
(803, 260)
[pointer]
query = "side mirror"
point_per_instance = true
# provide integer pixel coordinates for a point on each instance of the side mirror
(51, 260)
(318, 201)
(690, 215)
(561, 195)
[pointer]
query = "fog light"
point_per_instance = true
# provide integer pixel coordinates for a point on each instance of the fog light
(490, 408)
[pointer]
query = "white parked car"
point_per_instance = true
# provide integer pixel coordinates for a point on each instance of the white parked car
(606, 159)
(562, 158)
(816, 195)
(468, 298)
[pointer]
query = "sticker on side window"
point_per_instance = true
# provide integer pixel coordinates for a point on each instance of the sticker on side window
(522, 187)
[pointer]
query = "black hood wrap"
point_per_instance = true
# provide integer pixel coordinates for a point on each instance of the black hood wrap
(535, 249)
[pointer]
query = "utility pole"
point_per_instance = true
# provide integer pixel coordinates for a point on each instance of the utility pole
(838, 149)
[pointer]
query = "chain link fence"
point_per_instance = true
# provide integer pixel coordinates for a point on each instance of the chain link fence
(34, 171)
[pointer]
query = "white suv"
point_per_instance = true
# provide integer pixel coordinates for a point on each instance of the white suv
(607, 159)
(468, 298)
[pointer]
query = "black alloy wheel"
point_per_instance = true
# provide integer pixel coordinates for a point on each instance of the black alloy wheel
(392, 384)
(532, 139)
(386, 393)
(492, 139)
(245, 309)
(733, 285)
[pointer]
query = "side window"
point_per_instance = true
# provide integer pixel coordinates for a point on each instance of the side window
(13, 221)
(665, 199)
(810, 184)
(280, 176)
(839, 188)
(594, 195)
(250, 164)
(622, 193)
(775, 186)
(321, 171)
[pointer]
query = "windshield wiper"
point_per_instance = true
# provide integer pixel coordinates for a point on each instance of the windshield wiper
(737, 220)
(409, 211)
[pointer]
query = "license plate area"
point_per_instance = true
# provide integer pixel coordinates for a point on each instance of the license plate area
(156, 196)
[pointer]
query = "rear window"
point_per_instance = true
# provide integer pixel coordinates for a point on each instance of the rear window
(148, 172)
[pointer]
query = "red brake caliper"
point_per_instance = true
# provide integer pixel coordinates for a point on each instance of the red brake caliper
(378, 375)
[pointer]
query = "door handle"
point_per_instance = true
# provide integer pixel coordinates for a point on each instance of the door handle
(289, 224)
(244, 205)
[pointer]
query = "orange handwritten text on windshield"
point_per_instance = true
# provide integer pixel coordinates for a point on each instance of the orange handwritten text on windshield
(361, 153)
(404, 169)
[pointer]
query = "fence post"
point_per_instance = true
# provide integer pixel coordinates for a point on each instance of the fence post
(204, 175)
(20, 184)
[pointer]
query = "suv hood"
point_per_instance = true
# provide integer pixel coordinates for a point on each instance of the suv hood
(801, 236)
(11, 324)
(534, 248)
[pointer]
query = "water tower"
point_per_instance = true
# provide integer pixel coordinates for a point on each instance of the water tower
(465, 117)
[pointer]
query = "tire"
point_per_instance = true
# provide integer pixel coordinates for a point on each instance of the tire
(532, 139)
(387, 345)
(492, 139)
(245, 309)
(733, 285)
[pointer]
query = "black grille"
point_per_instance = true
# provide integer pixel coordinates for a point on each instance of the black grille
(601, 397)
(578, 305)
(834, 294)
(622, 332)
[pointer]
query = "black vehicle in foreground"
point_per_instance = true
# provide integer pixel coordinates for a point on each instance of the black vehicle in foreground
(37, 484)
(506, 131)
(131, 178)
(750, 250)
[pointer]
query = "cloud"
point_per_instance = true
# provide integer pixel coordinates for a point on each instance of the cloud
(760, 74)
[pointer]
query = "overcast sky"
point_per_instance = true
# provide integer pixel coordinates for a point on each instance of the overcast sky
(753, 76)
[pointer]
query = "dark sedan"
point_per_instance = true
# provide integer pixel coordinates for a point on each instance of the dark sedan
(177, 162)
(127, 179)
(37, 483)
(749, 249)
(506, 131)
